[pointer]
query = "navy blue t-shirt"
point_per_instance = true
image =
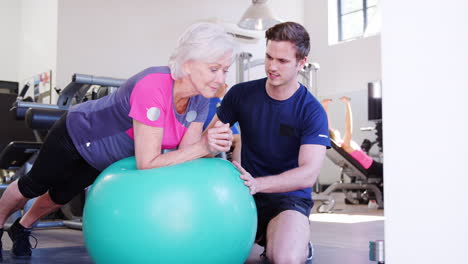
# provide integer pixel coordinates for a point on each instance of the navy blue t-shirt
(272, 130)
(215, 102)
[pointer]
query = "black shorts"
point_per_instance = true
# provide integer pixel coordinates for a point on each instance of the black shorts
(270, 205)
(59, 168)
(375, 170)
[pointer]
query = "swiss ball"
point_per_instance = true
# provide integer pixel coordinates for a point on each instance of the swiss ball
(194, 212)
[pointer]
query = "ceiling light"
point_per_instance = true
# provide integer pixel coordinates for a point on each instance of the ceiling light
(258, 17)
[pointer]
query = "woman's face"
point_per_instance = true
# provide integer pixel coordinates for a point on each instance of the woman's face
(208, 78)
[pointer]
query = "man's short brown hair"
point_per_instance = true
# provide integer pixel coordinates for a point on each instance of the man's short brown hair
(292, 32)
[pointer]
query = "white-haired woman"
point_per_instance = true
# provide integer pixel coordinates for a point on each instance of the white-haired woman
(158, 108)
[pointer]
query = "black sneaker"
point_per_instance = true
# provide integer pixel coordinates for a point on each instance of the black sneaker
(20, 237)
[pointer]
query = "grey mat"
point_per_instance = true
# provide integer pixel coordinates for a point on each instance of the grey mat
(63, 255)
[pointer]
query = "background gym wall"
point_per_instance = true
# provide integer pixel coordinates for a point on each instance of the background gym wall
(9, 44)
(29, 38)
(120, 38)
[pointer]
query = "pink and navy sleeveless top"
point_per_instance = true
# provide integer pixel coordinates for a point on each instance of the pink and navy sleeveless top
(362, 158)
(102, 130)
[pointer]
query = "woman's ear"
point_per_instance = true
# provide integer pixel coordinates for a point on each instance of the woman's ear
(187, 67)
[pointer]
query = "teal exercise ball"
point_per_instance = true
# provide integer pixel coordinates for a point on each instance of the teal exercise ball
(194, 212)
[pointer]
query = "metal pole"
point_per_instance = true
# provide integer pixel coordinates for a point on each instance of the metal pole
(242, 65)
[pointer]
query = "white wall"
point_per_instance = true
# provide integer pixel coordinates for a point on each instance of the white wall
(424, 54)
(346, 66)
(38, 37)
(120, 38)
(345, 69)
(29, 39)
(9, 41)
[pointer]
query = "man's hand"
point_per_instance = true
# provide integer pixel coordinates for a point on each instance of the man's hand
(249, 181)
(219, 138)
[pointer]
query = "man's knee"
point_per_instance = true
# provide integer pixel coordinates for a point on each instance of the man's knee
(284, 235)
(286, 257)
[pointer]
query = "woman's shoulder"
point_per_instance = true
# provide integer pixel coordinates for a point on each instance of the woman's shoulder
(153, 82)
(156, 69)
(155, 77)
(152, 74)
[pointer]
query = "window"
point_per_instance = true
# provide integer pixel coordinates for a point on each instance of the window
(353, 17)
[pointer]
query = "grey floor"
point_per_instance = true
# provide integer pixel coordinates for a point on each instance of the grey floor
(343, 236)
(55, 245)
(339, 237)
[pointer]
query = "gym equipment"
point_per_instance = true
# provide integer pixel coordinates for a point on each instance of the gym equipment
(9, 87)
(194, 212)
(367, 144)
(73, 93)
(379, 135)
(377, 251)
(374, 109)
(20, 155)
(12, 129)
(374, 101)
(361, 181)
(42, 116)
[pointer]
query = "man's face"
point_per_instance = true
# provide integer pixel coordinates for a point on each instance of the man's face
(281, 65)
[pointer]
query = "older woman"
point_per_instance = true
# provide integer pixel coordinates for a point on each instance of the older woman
(158, 108)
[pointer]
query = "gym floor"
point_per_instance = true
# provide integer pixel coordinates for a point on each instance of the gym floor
(339, 237)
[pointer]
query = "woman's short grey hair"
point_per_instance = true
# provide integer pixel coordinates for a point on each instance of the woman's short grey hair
(205, 42)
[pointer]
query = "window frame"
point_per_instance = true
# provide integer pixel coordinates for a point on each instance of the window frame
(364, 10)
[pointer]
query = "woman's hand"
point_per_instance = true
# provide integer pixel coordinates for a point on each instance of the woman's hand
(249, 181)
(221, 91)
(218, 138)
(345, 99)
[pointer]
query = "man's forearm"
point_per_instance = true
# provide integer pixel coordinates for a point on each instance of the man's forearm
(291, 180)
